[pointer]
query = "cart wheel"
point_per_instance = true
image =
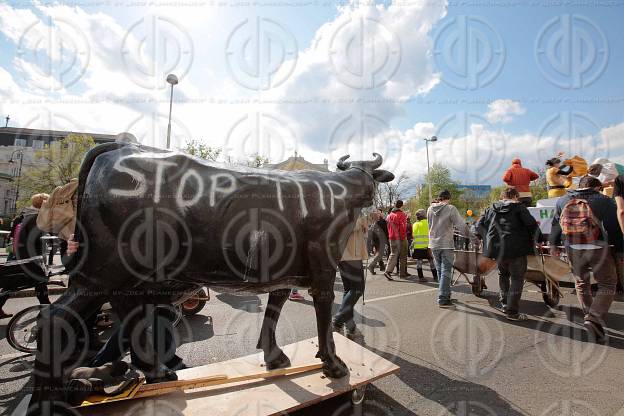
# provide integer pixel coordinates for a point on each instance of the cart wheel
(477, 285)
(22, 329)
(194, 304)
(550, 295)
(358, 395)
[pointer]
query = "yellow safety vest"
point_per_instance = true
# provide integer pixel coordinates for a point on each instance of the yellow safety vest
(420, 233)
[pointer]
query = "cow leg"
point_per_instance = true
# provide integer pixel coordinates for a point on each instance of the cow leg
(274, 357)
(143, 353)
(322, 292)
(62, 340)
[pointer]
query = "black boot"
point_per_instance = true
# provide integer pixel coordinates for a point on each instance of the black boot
(421, 276)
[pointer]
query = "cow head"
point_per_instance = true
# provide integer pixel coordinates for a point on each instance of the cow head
(365, 176)
(369, 167)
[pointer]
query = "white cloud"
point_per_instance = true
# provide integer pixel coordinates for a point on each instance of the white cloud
(503, 111)
(358, 72)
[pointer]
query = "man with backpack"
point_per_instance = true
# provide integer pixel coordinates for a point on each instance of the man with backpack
(509, 233)
(587, 222)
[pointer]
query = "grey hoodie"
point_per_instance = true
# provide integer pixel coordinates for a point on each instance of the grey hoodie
(443, 218)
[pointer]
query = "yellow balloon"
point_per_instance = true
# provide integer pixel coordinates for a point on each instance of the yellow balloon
(469, 213)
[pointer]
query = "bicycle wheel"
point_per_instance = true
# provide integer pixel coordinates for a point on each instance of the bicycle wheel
(22, 329)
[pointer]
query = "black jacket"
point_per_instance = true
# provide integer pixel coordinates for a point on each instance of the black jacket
(604, 209)
(508, 231)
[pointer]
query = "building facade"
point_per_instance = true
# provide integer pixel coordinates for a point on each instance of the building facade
(297, 162)
(17, 141)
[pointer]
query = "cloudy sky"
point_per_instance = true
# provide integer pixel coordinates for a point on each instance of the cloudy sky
(492, 80)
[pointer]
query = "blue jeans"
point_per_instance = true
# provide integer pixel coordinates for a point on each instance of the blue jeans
(444, 263)
(352, 275)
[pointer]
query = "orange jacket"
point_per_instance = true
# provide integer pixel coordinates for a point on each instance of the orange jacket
(519, 177)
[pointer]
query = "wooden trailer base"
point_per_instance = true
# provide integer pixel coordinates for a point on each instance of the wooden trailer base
(259, 397)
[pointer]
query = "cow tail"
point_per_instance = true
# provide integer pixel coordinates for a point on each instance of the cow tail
(85, 168)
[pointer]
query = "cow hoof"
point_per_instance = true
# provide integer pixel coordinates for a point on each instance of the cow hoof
(160, 375)
(282, 361)
(335, 368)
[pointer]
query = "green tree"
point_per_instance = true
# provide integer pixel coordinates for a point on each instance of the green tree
(58, 163)
(257, 161)
(202, 151)
(440, 180)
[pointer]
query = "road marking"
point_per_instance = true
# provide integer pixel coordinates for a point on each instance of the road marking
(400, 295)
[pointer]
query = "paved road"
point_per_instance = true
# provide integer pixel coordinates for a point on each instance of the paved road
(464, 361)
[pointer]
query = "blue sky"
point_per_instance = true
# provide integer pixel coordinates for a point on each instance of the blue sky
(331, 78)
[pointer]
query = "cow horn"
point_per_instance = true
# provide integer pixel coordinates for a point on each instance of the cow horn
(341, 164)
(377, 161)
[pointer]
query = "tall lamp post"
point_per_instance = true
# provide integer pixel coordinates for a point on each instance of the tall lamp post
(173, 80)
(17, 153)
(432, 139)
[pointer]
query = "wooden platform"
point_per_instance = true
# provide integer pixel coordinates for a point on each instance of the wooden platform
(259, 398)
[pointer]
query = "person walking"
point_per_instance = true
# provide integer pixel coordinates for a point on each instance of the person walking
(352, 274)
(420, 245)
(397, 235)
(409, 236)
(586, 221)
(509, 234)
(26, 243)
(520, 178)
(380, 241)
(618, 194)
(443, 219)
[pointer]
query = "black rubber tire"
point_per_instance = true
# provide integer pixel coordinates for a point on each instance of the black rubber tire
(195, 304)
(11, 333)
(551, 299)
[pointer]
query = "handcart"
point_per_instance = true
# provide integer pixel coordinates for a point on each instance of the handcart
(472, 262)
(546, 272)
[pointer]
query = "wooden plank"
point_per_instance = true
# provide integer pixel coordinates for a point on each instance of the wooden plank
(259, 397)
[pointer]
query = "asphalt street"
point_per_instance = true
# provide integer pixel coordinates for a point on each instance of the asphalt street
(467, 360)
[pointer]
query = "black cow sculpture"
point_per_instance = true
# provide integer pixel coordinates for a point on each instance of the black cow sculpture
(155, 224)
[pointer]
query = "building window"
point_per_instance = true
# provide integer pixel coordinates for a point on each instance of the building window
(38, 144)
(21, 142)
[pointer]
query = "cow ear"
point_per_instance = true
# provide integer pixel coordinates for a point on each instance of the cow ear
(383, 175)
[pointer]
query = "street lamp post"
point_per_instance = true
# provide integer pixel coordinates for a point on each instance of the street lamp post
(173, 80)
(19, 152)
(432, 139)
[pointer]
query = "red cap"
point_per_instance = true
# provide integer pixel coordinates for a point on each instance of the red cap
(516, 161)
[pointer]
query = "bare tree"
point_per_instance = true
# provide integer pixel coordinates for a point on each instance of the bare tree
(387, 193)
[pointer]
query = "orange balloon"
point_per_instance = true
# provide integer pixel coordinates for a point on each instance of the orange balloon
(469, 213)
